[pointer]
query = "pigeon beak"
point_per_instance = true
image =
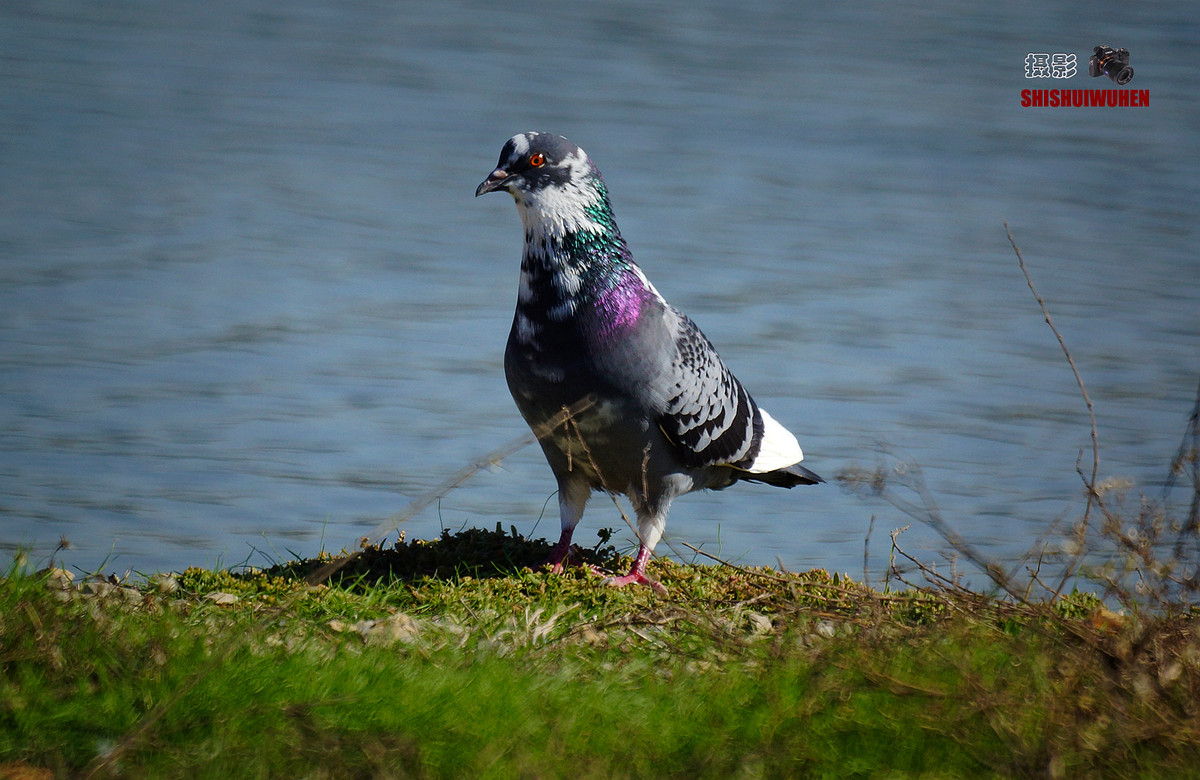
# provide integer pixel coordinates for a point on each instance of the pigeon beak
(495, 181)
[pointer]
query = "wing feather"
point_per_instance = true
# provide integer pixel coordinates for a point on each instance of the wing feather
(709, 416)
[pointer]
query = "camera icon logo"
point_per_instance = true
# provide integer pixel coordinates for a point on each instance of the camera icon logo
(1113, 63)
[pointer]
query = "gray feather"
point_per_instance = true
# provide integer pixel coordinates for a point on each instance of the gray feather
(710, 417)
(659, 413)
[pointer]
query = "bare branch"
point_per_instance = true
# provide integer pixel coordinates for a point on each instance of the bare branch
(1090, 484)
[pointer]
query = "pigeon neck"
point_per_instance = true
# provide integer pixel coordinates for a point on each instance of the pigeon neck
(573, 256)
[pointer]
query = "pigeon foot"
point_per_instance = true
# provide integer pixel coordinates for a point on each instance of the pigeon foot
(560, 567)
(636, 578)
(637, 575)
(563, 556)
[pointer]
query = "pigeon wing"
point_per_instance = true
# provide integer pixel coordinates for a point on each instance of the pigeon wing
(709, 416)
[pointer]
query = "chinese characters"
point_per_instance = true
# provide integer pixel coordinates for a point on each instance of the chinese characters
(1040, 65)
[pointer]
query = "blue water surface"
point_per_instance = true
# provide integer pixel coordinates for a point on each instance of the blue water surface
(249, 307)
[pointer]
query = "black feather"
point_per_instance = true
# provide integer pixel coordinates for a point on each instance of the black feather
(788, 477)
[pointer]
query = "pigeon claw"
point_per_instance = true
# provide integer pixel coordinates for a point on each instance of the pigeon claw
(560, 556)
(638, 578)
(560, 567)
(565, 556)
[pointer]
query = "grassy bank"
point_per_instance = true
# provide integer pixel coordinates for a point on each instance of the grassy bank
(449, 658)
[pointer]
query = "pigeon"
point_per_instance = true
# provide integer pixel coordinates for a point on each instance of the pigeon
(623, 391)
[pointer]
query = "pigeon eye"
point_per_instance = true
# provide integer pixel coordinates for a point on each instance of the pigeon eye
(537, 160)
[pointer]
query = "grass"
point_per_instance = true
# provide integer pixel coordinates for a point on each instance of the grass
(451, 658)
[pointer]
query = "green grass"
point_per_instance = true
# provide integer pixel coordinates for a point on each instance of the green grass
(450, 658)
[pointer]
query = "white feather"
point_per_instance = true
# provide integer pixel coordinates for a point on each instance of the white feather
(779, 447)
(556, 211)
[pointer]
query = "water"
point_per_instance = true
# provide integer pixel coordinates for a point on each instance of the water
(249, 307)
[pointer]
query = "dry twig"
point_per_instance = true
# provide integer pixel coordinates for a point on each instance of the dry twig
(1090, 484)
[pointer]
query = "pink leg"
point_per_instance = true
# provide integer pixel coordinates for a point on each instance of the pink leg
(561, 552)
(638, 574)
(572, 497)
(560, 557)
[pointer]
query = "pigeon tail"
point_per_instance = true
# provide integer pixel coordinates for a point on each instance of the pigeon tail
(787, 477)
(777, 447)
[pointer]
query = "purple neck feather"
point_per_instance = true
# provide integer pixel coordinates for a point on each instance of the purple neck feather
(620, 305)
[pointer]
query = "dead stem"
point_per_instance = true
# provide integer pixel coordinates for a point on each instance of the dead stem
(1187, 459)
(1090, 484)
(925, 510)
(867, 552)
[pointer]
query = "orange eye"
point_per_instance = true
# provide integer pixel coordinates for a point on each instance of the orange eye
(537, 160)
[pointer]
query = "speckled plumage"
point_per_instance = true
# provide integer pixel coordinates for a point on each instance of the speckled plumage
(661, 413)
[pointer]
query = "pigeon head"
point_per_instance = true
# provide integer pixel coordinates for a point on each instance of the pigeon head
(557, 188)
(531, 162)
